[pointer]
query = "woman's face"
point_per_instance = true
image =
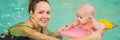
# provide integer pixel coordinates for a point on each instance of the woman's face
(41, 14)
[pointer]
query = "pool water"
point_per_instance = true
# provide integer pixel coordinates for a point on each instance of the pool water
(62, 13)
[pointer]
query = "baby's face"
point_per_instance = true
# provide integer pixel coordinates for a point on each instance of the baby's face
(84, 17)
(85, 14)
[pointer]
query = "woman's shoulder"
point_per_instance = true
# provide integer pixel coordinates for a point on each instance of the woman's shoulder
(18, 28)
(20, 25)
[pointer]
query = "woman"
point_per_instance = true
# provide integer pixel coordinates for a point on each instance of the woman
(34, 28)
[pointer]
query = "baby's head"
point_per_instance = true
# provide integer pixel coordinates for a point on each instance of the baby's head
(85, 13)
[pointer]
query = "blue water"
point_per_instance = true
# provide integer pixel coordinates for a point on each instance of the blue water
(63, 12)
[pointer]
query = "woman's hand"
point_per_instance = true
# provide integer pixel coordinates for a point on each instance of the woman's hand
(66, 27)
(60, 29)
(71, 25)
(95, 35)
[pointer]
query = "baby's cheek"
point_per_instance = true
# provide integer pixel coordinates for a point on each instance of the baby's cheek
(78, 20)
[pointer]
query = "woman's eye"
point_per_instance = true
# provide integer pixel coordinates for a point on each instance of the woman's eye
(48, 12)
(41, 12)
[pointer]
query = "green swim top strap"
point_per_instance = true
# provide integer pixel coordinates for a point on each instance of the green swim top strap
(21, 26)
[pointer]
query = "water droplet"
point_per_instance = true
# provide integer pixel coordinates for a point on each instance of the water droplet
(17, 8)
(22, 8)
(65, 4)
(18, 16)
(8, 23)
(7, 15)
(2, 16)
(1, 24)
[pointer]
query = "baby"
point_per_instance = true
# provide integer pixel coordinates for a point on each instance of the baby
(84, 25)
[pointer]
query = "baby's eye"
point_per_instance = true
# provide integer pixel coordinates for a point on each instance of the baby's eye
(81, 17)
(90, 18)
(77, 16)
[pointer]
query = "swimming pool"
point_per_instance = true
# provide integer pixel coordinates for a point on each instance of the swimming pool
(63, 12)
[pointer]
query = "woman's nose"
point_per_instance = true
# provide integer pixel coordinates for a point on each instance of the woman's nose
(45, 15)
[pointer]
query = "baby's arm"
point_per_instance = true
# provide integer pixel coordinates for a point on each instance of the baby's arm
(98, 26)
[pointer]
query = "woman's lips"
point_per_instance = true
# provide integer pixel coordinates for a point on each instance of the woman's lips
(43, 20)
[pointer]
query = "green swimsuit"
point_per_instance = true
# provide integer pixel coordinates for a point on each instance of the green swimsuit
(12, 36)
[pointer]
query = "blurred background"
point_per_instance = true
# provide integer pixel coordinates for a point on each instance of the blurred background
(63, 12)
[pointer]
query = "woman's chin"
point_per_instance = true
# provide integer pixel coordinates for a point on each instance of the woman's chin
(43, 25)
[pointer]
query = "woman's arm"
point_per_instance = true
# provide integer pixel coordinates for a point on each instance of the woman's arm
(53, 34)
(31, 34)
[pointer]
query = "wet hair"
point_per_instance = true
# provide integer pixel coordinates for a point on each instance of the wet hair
(32, 4)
